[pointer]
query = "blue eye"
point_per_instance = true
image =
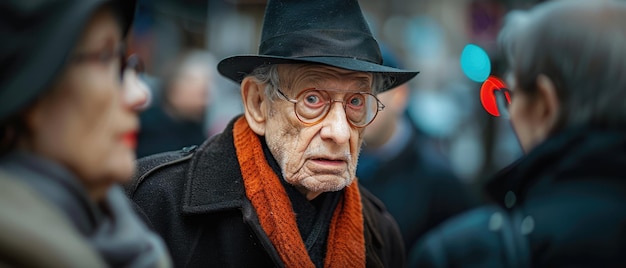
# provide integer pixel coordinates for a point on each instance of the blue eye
(313, 99)
(357, 100)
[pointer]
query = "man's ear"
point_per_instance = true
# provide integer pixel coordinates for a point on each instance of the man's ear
(255, 105)
(401, 97)
(547, 106)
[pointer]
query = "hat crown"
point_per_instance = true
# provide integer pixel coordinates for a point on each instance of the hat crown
(328, 32)
(323, 28)
(284, 17)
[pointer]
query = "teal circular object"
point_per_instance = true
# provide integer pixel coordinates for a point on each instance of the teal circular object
(475, 63)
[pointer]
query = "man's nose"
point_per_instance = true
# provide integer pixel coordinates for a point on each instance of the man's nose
(336, 126)
(136, 95)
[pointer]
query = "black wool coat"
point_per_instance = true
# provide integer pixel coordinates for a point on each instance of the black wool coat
(195, 199)
(562, 205)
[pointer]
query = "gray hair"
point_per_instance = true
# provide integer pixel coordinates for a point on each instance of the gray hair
(268, 75)
(581, 47)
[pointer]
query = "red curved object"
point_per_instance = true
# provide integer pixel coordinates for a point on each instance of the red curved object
(487, 96)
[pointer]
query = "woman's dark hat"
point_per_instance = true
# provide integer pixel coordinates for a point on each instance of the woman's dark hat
(37, 38)
(331, 32)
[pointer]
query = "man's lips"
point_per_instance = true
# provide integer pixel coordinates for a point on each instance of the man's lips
(328, 161)
(130, 139)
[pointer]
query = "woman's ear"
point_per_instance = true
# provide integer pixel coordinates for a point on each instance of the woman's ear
(32, 118)
(255, 105)
(548, 105)
(33, 115)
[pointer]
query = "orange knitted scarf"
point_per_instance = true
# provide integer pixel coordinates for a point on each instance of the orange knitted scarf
(346, 244)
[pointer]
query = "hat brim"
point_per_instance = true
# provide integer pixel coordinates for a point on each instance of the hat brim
(237, 67)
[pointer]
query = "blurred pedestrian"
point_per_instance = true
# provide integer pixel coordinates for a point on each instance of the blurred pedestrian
(67, 133)
(402, 166)
(277, 188)
(177, 118)
(563, 204)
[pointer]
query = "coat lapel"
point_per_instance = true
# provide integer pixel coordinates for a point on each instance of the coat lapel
(214, 183)
(213, 179)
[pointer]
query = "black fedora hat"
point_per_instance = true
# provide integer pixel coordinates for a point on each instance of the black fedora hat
(37, 38)
(330, 32)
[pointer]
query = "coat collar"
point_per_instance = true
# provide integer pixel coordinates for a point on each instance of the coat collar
(213, 179)
(573, 153)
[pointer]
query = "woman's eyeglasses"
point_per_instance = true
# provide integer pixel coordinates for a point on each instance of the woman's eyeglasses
(132, 62)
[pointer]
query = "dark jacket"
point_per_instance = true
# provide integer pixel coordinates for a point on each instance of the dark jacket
(562, 205)
(415, 183)
(196, 200)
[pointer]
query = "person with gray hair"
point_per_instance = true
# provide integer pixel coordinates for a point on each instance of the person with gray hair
(583, 61)
(563, 204)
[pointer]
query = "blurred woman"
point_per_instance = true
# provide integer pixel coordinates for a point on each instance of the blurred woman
(68, 122)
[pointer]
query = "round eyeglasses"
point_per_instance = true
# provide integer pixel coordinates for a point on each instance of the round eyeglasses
(312, 106)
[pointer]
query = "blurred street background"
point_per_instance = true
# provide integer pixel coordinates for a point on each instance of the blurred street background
(429, 36)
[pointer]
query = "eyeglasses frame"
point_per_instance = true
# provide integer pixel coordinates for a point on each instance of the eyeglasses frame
(380, 105)
(132, 61)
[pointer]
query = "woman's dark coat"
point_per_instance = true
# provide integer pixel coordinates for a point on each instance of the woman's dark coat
(563, 205)
(196, 200)
(416, 185)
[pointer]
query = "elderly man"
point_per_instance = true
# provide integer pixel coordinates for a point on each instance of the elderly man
(564, 203)
(277, 188)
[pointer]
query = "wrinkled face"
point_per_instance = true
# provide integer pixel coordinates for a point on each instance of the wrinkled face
(320, 157)
(87, 121)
